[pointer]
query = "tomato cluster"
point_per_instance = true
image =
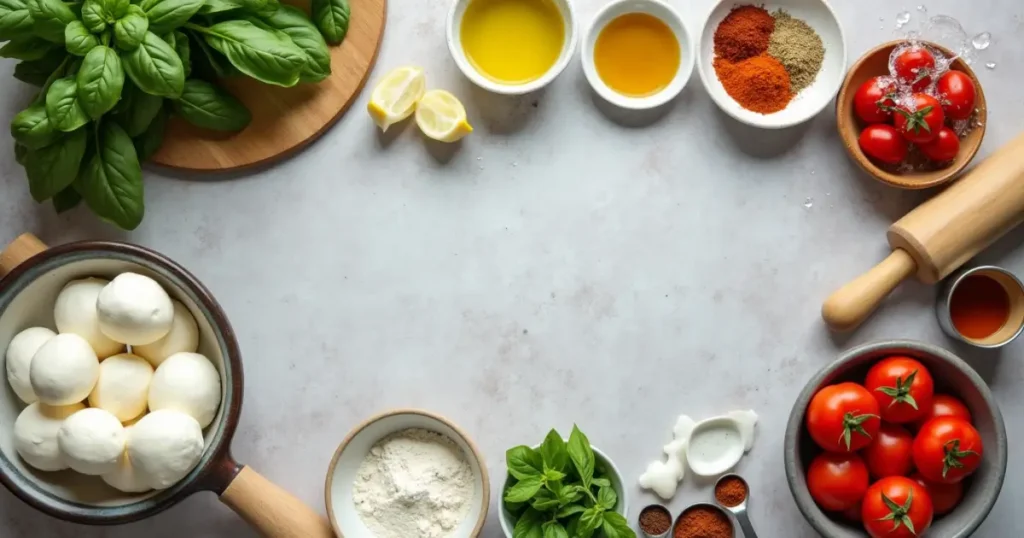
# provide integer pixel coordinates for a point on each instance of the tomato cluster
(867, 433)
(916, 105)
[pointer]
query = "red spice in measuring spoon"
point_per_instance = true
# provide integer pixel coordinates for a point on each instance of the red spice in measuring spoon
(979, 306)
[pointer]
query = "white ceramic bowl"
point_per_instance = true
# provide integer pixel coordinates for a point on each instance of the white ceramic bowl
(622, 507)
(454, 31)
(341, 474)
(666, 14)
(805, 105)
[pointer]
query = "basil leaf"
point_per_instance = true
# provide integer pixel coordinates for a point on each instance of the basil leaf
(25, 48)
(615, 526)
(49, 18)
(78, 40)
(601, 482)
(94, 16)
(554, 529)
(271, 8)
(36, 72)
(607, 498)
(582, 455)
(62, 105)
(100, 81)
(184, 51)
(130, 29)
(545, 501)
(205, 105)
(332, 17)
(572, 509)
(111, 181)
(54, 167)
(297, 26)
(15, 19)
(590, 521)
(155, 68)
(20, 153)
(166, 15)
(523, 462)
(257, 52)
(218, 6)
(524, 490)
(32, 129)
(554, 451)
(142, 107)
(529, 525)
(115, 9)
(150, 141)
(66, 199)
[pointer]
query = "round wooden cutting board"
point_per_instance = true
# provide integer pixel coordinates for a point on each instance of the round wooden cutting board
(284, 120)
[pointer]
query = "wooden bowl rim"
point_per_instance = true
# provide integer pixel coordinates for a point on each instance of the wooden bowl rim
(485, 500)
(938, 177)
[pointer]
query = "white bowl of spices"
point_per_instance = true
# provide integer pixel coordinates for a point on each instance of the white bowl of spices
(772, 66)
(407, 473)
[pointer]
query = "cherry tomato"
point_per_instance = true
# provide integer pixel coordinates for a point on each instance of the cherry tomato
(945, 497)
(944, 405)
(921, 119)
(914, 67)
(897, 507)
(883, 143)
(903, 388)
(837, 481)
(958, 94)
(843, 417)
(947, 449)
(891, 453)
(873, 101)
(944, 147)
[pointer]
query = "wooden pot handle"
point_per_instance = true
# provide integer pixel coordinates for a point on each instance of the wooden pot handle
(22, 248)
(272, 511)
(851, 304)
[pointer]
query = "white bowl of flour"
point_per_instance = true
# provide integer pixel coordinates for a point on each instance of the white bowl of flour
(407, 473)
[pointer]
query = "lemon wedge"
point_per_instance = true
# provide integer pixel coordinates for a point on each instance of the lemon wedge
(442, 117)
(395, 96)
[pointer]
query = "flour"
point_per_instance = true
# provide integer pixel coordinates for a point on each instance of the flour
(413, 484)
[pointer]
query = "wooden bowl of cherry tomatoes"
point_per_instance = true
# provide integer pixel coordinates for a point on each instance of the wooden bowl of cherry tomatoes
(895, 439)
(909, 116)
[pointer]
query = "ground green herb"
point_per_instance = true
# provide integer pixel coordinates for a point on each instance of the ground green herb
(798, 47)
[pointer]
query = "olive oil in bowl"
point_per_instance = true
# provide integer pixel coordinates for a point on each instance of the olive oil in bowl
(512, 42)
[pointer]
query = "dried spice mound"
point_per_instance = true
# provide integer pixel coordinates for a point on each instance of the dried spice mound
(703, 522)
(798, 47)
(731, 491)
(655, 520)
(760, 84)
(744, 33)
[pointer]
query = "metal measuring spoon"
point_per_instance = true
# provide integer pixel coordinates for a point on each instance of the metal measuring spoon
(661, 508)
(740, 510)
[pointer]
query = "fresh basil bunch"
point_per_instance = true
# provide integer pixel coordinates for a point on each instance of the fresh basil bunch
(561, 491)
(111, 72)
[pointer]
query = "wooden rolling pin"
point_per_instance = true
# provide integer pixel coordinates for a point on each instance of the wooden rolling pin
(940, 235)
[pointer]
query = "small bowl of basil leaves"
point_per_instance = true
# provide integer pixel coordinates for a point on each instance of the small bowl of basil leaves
(565, 484)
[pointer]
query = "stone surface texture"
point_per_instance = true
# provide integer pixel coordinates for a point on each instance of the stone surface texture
(556, 267)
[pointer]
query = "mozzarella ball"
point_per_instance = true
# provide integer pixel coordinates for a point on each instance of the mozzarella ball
(123, 386)
(64, 370)
(164, 447)
(35, 435)
(186, 382)
(91, 441)
(134, 309)
(75, 312)
(19, 358)
(125, 478)
(184, 336)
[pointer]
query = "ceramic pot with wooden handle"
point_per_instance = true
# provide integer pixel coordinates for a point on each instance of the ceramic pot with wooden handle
(32, 276)
(940, 235)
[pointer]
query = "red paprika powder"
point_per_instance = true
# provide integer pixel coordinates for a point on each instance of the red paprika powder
(703, 521)
(744, 33)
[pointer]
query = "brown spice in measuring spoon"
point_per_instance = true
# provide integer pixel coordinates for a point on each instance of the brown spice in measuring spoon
(655, 520)
(731, 491)
(703, 522)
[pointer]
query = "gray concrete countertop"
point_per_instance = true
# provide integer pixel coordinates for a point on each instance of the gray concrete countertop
(556, 267)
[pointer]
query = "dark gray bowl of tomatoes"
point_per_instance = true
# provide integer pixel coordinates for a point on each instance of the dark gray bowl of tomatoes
(912, 116)
(927, 445)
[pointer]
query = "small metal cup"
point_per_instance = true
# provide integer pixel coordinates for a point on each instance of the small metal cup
(1014, 290)
(656, 507)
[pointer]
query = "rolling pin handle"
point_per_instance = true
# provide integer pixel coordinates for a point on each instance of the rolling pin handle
(851, 304)
(22, 248)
